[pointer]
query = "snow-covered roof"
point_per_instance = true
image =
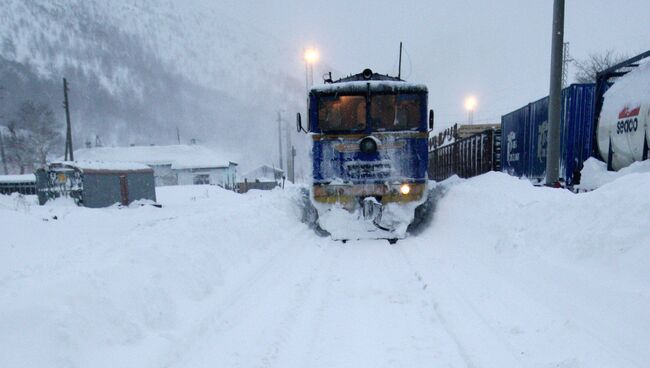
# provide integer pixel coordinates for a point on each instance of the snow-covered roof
(87, 166)
(263, 173)
(178, 156)
(17, 178)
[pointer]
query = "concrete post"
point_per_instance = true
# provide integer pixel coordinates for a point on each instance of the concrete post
(555, 95)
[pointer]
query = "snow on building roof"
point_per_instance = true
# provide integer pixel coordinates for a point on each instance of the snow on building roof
(17, 178)
(263, 173)
(178, 156)
(88, 166)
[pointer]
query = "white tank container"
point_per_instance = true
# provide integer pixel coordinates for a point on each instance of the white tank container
(625, 117)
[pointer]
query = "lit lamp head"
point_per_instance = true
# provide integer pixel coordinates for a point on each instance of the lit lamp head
(311, 56)
(470, 103)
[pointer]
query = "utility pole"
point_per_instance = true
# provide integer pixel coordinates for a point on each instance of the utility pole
(69, 155)
(3, 156)
(292, 173)
(280, 140)
(399, 67)
(555, 95)
(2, 153)
(289, 151)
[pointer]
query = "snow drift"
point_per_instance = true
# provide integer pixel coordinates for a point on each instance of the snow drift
(507, 274)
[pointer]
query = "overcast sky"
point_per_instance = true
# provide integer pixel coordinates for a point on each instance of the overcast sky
(496, 50)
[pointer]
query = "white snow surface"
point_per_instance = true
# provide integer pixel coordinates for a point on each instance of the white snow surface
(507, 275)
(17, 178)
(594, 173)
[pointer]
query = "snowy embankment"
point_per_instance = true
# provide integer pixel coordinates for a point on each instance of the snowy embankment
(595, 174)
(507, 275)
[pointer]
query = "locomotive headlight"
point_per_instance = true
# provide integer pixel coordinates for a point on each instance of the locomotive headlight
(368, 145)
(405, 189)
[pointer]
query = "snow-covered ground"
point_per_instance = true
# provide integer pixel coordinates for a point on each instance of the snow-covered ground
(507, 275)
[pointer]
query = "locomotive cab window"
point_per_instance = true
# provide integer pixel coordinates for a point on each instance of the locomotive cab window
(342, 113)
(395, 112)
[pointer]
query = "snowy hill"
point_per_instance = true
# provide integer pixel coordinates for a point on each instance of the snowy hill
(507, 275)
(140, 69)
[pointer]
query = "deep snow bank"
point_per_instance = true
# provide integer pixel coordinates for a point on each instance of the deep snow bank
(562, 278)
(595, 174)
(507, 274)
(116, 287)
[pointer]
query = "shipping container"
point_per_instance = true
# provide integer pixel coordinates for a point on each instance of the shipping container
(96, 184)
(471, 156)
(524, 135)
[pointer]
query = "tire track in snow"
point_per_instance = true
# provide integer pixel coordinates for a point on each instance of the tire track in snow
(323, 305)
(293, 314)
(463, 351)
(240, 292)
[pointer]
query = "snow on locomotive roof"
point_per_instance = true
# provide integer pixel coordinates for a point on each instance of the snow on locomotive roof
(375, 86)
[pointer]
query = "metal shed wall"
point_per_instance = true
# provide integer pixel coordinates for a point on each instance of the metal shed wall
(102, 189)
(141, 185)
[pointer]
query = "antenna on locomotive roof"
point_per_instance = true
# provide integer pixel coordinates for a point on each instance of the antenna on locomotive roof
(399, 68)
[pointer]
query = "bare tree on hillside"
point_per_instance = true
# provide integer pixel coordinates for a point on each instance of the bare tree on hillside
(44, 130)
(17, 154)
(587, 69)
(33, 135)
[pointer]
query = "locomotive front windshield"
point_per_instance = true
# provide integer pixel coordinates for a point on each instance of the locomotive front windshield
(388, 112)
(395, 112)
(342, 113)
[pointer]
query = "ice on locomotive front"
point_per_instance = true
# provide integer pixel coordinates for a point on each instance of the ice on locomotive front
(369, 150)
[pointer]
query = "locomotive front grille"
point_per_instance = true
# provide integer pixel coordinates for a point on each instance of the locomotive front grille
(368, 169)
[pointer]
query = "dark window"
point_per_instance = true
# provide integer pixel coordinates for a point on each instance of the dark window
(342, 113)
(201, 179)
(395, 112)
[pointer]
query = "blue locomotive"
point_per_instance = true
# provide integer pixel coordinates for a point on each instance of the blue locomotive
(369, 137)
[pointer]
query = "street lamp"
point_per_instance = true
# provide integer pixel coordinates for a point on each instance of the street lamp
(311, 57)
(470, 106)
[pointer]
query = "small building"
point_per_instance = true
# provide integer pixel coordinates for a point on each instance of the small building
(172, 165)
(23, 184)
(96, 184)
(264, 177)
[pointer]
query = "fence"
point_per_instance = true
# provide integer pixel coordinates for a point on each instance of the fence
(23, 184)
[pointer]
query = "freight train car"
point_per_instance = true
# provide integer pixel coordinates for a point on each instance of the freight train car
(467, 157)
(608, 120)
(524, 136)
(623, 112)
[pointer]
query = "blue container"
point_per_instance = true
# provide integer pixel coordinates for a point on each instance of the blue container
(524, 134)
(514, 141)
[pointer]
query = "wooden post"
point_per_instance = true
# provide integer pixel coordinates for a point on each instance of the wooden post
(69, 155)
